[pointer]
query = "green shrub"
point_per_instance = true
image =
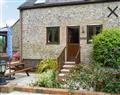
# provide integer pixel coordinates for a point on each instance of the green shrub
(80, 77)
(106, 48)
(92, 77)
(47, 74)
(47, 64)
(112, 86)
(47, 79)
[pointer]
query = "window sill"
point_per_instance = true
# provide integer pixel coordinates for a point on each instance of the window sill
(53, 44)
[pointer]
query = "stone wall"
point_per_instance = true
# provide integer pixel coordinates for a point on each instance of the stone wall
(16, 36)
(35, 22)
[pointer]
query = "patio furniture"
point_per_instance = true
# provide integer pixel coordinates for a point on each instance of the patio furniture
(17, 67)
(7, 52)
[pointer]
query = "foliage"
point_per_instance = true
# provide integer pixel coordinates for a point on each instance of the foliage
(106, 48)
(80, 75)
(47, 79)
(91, 77)
(47, 74)
(112, 86)
(47, 64)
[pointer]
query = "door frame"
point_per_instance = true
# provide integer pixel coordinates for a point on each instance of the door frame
(67, 38)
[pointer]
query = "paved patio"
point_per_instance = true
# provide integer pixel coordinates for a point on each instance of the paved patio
(21, 93)
(21, 79)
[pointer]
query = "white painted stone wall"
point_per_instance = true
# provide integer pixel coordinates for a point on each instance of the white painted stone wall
(35, 22)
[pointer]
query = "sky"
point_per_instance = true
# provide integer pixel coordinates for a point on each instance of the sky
(9, 13)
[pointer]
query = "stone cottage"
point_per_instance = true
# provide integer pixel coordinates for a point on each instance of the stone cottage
(16, 35)
(51, 28)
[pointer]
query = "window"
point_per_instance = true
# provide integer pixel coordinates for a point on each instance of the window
(3, 43)
(93, 30)
(53, 35)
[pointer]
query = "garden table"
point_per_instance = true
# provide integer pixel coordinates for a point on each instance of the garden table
(17, 67)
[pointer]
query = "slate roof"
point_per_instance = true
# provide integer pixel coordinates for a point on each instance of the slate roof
(4, 29)
(30, 4)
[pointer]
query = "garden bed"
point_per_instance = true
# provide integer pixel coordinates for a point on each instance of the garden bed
(83, 77)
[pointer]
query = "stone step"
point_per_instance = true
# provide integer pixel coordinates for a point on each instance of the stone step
(69, 63)
(68, 66)
(61, 77)
(65, 70)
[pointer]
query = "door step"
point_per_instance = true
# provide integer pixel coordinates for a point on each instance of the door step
(69, 63)
(68, 66)
(61, 74)
(65, 70)
(62, 77)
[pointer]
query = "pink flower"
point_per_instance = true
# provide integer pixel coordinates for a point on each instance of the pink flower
(16, 56)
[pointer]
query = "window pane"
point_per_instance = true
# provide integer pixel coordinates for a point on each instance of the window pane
(92, 30)
(52, 35)
(56, 38)
(3, 43)
(49, 36)
(73, 34)
(0, 43)
(98, 29)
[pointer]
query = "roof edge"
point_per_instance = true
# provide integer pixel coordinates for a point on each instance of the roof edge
(15, 22)
(64, 4)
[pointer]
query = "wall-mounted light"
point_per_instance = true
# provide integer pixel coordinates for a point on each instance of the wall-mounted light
(83, 31)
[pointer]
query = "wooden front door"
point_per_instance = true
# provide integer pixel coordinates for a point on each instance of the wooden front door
(73, 42)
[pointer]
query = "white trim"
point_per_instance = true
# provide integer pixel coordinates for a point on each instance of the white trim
(40, 1)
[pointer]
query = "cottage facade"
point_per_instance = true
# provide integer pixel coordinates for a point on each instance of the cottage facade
(16, 35)
(74, 21)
